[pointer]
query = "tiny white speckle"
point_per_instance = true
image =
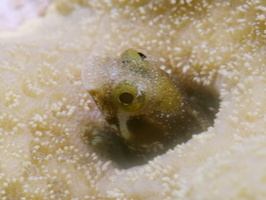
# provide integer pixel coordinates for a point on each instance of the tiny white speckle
(185, 68)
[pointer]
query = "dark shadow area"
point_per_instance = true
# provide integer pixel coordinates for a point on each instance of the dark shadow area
(206, 99)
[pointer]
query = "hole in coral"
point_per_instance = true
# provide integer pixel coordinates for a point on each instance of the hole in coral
(205, 98)
(110, 146)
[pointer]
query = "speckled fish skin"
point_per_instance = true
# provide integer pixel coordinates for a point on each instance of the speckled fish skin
(150, 111)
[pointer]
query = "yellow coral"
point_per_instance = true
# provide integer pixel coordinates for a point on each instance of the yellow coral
(45, 109)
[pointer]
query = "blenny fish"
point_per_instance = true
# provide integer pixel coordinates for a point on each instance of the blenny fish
(148, 110)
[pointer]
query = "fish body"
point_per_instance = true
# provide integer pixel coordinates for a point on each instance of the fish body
(148, 108)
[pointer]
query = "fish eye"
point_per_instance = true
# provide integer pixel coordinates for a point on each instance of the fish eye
(127, 96)
(142, 55)
(132, 55)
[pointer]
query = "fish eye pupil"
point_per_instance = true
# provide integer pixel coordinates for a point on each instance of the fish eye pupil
(142, 55)
(126, 98)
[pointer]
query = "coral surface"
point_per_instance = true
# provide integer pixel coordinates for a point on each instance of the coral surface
(15, 12)
(46, 113)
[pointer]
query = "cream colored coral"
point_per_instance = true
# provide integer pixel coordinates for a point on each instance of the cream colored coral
(14, 12)
(45, 110)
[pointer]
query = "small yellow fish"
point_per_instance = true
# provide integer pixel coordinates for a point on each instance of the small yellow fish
(148, 108)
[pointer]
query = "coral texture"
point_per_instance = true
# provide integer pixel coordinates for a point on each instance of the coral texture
(46, 112)
(14, 12)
